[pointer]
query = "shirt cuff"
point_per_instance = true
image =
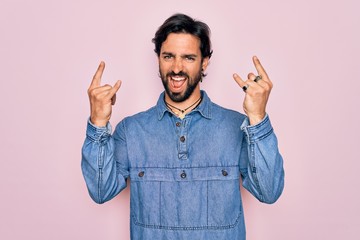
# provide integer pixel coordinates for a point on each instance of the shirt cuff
(257, 132)
(96, 133)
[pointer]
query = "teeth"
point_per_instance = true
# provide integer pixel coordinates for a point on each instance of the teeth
(178, 78)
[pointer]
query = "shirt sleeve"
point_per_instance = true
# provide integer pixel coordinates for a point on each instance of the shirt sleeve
(104, 172)
(261, 164)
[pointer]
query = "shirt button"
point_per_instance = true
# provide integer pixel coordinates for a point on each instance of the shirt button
(224, 173)
(183, 175)
(182, 138)
(178, 124)
(141, 174)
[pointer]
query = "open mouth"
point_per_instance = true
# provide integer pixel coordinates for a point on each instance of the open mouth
(177, 81)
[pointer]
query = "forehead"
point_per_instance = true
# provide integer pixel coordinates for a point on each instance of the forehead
(181, 43)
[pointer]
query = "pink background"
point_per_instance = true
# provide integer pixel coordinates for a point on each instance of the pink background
(50, 49)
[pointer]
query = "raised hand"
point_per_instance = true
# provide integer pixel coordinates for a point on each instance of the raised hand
(101, 98)
(257, 91)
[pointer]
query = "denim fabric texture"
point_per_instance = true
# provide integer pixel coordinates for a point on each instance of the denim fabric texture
(184, 173)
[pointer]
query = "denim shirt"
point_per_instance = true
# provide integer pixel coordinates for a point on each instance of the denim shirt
(185, 173)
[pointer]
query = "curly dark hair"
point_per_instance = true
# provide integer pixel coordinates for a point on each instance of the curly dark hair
(181, 23)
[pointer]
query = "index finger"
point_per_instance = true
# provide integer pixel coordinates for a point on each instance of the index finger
(97, 77)
(260, 69)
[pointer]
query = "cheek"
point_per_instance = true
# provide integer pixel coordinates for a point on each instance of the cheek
(163, 72)
(164, 68)
(194, 70)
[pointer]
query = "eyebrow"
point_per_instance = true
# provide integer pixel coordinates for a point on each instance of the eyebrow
(190, 55)
(167, 53)
(184, 55)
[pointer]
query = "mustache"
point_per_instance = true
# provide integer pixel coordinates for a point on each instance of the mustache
(179, 74)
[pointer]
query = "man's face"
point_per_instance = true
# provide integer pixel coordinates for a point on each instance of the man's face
(180, 65)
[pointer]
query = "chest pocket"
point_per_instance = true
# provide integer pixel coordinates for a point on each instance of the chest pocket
(185, 199)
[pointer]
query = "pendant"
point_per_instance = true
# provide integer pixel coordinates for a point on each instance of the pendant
(181, 115)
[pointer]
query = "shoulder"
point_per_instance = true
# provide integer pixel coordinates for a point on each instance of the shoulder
(144, 116)
(212, 110)
(136, 122)
(226, 113)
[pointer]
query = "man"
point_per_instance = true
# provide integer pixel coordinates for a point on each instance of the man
(185, 155)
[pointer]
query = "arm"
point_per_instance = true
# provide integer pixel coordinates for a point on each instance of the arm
(104, 163)
(104, 173)
(261, 164)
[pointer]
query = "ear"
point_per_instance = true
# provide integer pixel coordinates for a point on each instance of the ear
(205, 63)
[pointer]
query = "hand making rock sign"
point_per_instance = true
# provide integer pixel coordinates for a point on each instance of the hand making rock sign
(257, 90)
(101, 98)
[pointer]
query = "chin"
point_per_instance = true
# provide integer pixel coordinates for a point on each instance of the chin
(177, 97)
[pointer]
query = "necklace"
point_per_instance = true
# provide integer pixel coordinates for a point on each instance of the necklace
(181, 112)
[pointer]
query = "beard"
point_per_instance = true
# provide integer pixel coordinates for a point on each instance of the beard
(191, 84)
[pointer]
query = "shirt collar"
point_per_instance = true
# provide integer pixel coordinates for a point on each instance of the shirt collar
(204, 107)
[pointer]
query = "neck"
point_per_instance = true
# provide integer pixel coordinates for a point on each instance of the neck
(184, 104)
(182, 108)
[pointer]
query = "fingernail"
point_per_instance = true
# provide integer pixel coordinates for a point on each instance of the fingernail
(235, 75)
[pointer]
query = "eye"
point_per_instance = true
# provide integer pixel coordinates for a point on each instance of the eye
(167, 57)
(190, 58)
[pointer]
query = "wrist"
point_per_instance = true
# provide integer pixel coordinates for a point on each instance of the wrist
(256, 118)
(98, 123)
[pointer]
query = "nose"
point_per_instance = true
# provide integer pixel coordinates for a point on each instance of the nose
(177, 65)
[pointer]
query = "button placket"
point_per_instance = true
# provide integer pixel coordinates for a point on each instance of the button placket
(182, 144)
